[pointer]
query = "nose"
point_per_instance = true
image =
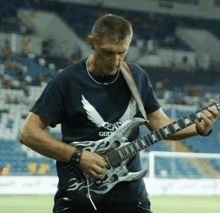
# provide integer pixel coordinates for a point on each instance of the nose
(115, 59)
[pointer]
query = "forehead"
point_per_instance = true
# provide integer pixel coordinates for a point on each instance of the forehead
(106, 43)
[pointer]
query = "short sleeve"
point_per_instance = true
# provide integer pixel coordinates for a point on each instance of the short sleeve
(151, 103)
(50, 104)
(148, 95)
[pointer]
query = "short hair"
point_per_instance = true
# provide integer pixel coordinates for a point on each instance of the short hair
(113, 27)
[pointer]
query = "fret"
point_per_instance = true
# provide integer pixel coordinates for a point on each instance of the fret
(142, 143)
(120, 154)
(149, 140)
(126, 149)
(166, 131)
(187, 120)
(137, 146)
(162, 133)
(171, 128)
(108, 162)
(192, 117)
(181, 123)
(131, 148)
(123, 151)
(134, 145)
(154, 137)
(158, 135)
(176, 126)
(198, 114)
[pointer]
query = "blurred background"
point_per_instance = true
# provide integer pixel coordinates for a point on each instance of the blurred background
(177, 42)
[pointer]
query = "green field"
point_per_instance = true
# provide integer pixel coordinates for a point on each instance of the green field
(160, 204)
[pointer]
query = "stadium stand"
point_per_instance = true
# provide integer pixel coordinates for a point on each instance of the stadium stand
(159, 28)
(23, 81)
(194, 2)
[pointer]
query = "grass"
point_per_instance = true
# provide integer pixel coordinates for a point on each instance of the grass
(185, 204)
(160, 204)
(26, 204)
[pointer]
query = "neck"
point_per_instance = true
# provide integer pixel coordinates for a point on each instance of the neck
(94, 66)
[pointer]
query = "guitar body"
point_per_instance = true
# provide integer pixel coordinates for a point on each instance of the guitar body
(116, 150)
(116, 168)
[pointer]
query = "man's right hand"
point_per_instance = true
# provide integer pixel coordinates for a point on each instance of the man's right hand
(93, 164)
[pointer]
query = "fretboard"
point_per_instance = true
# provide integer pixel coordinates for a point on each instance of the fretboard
(165, 132)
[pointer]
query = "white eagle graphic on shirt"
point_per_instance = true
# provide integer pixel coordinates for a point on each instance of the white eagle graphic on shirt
(96, 118)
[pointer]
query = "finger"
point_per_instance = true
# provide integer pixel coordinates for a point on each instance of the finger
(98, 169)
(212, 101)
(214, 112)
(207, 119)
(101, 162)
(199, 125)
(208, 115)
(94, 175)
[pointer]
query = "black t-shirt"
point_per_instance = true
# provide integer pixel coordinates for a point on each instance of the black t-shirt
(88, 111)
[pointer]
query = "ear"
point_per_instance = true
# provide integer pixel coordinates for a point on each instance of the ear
(91, 42)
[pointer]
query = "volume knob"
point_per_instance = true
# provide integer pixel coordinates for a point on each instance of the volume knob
(98, 182)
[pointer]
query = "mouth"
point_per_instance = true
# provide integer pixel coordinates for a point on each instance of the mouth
(110, 70)
(113, 67)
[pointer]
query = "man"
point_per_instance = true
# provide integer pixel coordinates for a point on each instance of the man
(91, 100)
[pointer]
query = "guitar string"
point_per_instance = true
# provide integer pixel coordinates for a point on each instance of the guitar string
(114, 153)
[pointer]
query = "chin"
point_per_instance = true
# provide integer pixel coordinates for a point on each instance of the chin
(112, 71)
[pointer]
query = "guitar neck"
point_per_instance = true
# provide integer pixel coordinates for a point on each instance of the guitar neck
(165, 132)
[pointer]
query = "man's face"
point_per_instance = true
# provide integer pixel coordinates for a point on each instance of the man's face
(109, 54)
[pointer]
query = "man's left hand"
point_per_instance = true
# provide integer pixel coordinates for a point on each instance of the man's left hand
(209, 117)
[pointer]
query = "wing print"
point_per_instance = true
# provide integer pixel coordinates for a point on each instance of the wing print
(92, 114)
(130, 111)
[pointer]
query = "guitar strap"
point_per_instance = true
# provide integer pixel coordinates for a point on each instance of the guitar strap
(133, 88)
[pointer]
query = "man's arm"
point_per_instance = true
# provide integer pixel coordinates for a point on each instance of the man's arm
(159, 119)
(34, 136)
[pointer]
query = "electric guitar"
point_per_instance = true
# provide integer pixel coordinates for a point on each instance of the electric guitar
(116, 150)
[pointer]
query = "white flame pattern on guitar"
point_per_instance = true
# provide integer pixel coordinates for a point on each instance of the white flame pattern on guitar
(116, 151)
